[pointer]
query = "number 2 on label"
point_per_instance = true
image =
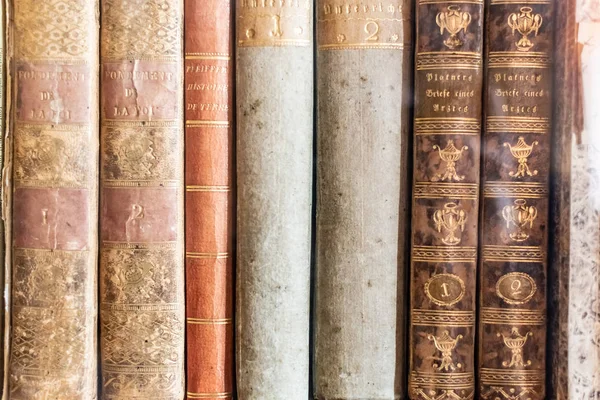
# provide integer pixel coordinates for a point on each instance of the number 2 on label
(372, 29)
(515, 286)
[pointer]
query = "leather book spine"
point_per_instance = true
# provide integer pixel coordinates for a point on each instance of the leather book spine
(447, 133)
(566, 113)
(210, 223)
(142, 304)
(364, 67)
(54, 134)
(274, 95)
(516, 166)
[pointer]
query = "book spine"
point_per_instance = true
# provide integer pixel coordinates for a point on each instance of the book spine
(53, 127)
(447, 132)
(3, 202)
(142, 273)
(209, 198)
(274, 173)
(566, 126)
(516, 165)
(364, 65)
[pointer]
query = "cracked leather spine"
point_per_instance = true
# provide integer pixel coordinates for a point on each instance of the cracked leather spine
(210, 191)
(364, 65)
(274, 95)
(142, 315)
(516, 168)
(54, 137)
(446, 143)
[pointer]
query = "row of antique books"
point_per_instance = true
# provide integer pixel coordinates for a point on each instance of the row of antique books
(153, 152)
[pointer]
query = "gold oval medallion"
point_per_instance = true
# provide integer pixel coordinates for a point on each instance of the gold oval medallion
(445, 289)
(516, 288)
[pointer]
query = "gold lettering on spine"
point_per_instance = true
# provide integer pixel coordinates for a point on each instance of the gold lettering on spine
(373, 24)
(262, 23)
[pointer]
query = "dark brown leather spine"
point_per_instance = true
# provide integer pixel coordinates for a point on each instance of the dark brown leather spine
(209, 198)
(516, 165)
(54, 135)
(447, 129)
(141, 220)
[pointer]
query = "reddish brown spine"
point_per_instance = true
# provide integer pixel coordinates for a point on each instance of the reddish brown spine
(209, 201)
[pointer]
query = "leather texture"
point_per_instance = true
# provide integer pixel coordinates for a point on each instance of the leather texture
(53, 130)
(446, 141)
(210, 190)
(363, 103)
(142, 273)
(516, 166)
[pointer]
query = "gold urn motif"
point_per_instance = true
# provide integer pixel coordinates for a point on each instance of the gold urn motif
(450, 155)
(521, 152)
(453, 20)
(520, 215)
(451, 219)
(515, 342)
(526, 23)
(445, 344)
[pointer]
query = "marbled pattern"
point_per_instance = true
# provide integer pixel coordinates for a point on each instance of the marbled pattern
(584, 302)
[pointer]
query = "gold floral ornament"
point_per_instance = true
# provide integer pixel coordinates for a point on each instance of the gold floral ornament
(515, 342)
(450, 155)
(526, 23)
(445, 344)
(520, 215)
(453, 20)
(521, 152)
(451, 219)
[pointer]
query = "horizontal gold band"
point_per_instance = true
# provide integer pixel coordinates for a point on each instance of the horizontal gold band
(207, 255)
(351, 46)
(209, 321)
(496, 2)
(192, 122)
(199, 188)
(274, 43)
(217, 395)
(203, 57)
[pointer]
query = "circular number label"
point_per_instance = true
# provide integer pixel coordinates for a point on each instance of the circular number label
(445, 289)
(516, 288)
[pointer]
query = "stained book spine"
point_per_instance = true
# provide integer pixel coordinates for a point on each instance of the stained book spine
(447, 131)
(516, 152)
(54, 134)
(364, 68)
(141, 221)
(209, 198)
(274, 173)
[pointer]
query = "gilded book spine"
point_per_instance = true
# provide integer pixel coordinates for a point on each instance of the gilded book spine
(274, 174)
(447, 131)
(54, 79)
(364, 66)
(209, 198)
(141, 182)
(516, 165)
